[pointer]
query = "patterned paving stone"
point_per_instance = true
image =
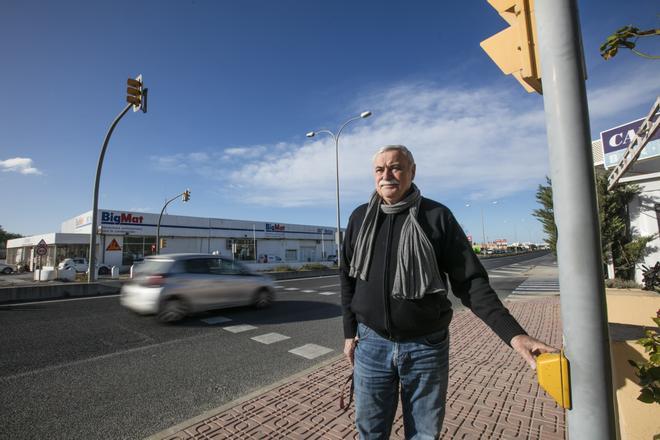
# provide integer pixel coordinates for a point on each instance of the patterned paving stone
(492, 393)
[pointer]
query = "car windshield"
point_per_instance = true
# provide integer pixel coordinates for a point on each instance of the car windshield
(151, 266)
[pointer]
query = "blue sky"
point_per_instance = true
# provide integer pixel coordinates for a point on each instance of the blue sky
(234, 87)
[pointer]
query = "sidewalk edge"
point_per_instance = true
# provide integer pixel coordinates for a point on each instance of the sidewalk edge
(212, 412)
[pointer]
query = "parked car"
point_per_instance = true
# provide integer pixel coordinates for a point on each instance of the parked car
(82, 265)
(269, 259)
(6, 268)
(172, 286)
(332, 259)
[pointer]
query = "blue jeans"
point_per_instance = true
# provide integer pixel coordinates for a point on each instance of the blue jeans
(420, 366)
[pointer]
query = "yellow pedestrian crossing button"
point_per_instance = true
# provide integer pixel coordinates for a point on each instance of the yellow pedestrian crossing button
(553, 373)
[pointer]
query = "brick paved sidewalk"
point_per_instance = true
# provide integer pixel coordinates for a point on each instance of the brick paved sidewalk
(492, 393)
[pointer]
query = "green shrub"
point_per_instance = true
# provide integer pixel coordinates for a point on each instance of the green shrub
(649, 371)
(313, 266)
(620, 283)
(283, 268)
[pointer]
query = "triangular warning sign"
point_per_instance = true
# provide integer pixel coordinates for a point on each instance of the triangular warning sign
(113, 246)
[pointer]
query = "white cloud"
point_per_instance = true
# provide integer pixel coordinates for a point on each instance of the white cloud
(628, 89)
(479, 143)
(22, 165)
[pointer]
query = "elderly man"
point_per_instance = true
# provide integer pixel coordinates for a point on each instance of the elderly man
(399, 250)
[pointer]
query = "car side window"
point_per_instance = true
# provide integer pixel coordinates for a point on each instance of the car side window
(226, 267)
(197, 265)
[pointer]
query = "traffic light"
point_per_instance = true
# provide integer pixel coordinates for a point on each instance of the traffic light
(136, 94)
(163, 243)
(514, 49)
(186, 195)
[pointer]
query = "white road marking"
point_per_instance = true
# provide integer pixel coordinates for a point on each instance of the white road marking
(216, 320)
(329, 285)
(292, 288)
(310, 351)
(327, 293)
(304, 279)
(60, 300)
(239, 328)
(270, 338)
(308, 291)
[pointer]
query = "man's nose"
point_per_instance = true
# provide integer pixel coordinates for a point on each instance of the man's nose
(388, 174)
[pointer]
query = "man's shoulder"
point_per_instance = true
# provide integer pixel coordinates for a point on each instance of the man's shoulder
(360, 211)
(433, 206)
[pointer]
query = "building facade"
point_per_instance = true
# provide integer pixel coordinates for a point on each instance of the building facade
(126, 236)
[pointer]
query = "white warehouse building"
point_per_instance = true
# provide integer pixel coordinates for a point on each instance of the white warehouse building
(126, 236)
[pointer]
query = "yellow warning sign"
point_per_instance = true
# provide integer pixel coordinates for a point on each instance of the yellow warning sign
(113, 246)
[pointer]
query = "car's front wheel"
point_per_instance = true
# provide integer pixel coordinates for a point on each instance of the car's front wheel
(172, 310)
(104, 270)
(7, 270)
(263, 299)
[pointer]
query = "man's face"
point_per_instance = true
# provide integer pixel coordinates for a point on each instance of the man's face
(393, 175)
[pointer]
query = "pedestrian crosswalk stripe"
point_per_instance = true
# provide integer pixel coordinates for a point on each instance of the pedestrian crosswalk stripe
(239, 328)
(270, 338)
(216, 320)
(308, 291)
(292, 288)
(327, 293)
(310, 351)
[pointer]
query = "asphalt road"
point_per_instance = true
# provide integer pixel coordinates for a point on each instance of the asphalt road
(88, 369)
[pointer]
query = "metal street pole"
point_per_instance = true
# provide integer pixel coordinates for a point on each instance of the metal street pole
(160, 217)
(583, 306)
(91, 276)
(483, 227)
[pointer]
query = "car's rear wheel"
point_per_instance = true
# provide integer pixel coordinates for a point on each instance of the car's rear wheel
(104, 271)
(172, 310)
(263, 299)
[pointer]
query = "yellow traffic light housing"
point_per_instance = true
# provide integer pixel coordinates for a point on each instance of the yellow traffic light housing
(163, 243)
(186, 195)
(514, 49)
(136, 94)
(554, 377)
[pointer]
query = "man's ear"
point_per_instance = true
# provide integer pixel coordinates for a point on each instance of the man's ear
(414, 168)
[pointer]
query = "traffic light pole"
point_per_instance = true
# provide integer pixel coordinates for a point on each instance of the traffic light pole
(91, 277)
(160, 217)
(583, 306)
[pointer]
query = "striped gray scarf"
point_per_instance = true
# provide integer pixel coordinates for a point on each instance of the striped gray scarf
(416, 266)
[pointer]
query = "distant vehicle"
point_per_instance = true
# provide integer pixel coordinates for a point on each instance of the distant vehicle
(172, 286)
(81, 265)
(6, 269)
(269, 259)
(332, 259)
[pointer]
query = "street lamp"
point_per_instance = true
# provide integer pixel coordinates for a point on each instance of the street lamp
(483, 225)
(311, 134)
(185, 196)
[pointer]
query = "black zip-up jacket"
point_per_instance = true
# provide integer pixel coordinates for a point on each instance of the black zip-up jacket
(371, 303)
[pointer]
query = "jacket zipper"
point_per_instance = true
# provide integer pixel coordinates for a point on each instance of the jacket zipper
(390, 220)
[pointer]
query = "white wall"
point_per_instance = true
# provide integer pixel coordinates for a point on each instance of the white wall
(643, 219)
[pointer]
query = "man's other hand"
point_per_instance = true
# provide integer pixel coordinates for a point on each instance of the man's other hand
(349, 348)
(528, 347)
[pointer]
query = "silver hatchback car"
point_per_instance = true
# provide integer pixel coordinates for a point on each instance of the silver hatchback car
(172, 286)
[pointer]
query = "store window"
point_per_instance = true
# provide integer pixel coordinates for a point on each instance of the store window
(242, 248)
(136, 248)
(291, 255)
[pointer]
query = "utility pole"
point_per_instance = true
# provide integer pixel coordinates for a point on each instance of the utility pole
(583, 306)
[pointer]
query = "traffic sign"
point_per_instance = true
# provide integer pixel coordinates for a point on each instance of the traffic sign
(41, 248)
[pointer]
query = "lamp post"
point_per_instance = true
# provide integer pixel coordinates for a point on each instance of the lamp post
(185, 196)
(311, 134)
(483, 224)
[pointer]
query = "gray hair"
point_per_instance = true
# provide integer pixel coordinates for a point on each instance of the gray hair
(401, 148)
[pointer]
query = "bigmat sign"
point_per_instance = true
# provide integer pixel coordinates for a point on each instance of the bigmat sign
(121, 222)
(616, 140)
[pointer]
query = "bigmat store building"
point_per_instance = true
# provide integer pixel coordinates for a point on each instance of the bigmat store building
(126, 236)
